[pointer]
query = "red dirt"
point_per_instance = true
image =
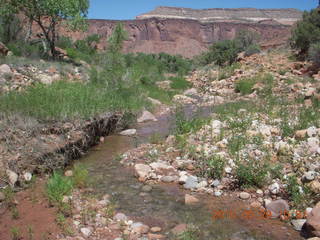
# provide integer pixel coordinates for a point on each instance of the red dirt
(34, 213)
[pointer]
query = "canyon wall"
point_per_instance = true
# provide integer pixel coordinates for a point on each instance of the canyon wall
(152, 33)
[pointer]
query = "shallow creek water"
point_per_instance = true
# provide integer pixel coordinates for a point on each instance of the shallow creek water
(164, 205)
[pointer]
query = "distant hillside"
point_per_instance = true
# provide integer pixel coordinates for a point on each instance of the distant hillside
(282, 16)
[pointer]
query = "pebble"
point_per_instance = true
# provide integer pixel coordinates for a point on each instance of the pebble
(310, 175)
(86, 232)
(274, 188)
(168, 179)
(298, 223)
(68, 173)
(215, 183)
(155, 229)
(189, 199)
(128, 132)
(27, 176)
(120, 217)
(218, 193)
(191, 182)
(146, 188)
(244, 195)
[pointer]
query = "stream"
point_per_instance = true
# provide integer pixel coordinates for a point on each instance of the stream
(164, 205)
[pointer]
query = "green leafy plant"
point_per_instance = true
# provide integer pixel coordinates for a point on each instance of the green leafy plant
(215, 167)
(57, 187)
(15, 233)
(306, 32)
(251, 173)
(80, 175)
(314, 53)
(245, 86)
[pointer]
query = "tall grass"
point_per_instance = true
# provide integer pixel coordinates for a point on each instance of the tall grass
(65, 100)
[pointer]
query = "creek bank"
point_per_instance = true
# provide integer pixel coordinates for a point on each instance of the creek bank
(35, 148)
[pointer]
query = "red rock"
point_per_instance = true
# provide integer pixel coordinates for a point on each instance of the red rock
(179, 229)
(312, 227)
(3, 49)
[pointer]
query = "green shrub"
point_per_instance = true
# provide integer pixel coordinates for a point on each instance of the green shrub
(296, 192)
(215, 167)
(64, 42)
(179, 83)
(57, 187)
(252, 173)
(306, 32)
(184, 125)
(245, 86)
(29, 50)
(80, 175)
(252, 49)
(247, 39)
(221, 53)
(314, 53)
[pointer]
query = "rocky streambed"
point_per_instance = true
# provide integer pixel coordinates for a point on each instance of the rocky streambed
(163, 210)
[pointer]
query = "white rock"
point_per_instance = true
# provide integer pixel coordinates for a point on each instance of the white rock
(154, 101)
(142, 170)
(68, 173)
(13, 177)
(191, 91)
(202, 184)
(259, 192)
(120, 217)
(308, 210)
(183, 179)
(274, 188)
(216, 124)
(128, 132)
(27, 176)
(298, 223)
(244, 195)
(146, 116)
(86, 232)
(218, 193)
(5, 69)
(215, 183)
(312, 131)
(228, 170)
(310, 175)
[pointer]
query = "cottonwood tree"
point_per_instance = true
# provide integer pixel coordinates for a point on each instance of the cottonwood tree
(47, 14)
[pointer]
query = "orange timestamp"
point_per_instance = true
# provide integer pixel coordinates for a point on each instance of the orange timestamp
(249, 214)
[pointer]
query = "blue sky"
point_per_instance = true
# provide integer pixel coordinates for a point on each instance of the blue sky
(129, 9)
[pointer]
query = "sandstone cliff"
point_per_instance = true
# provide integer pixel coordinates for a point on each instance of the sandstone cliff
(189, 36)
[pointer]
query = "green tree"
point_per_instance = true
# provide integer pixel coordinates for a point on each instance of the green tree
(115, 62)
(306, 32)
(223, 52)
(49, 13)
(9, 22)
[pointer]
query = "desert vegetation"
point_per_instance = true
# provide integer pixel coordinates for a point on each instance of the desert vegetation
(258, 142)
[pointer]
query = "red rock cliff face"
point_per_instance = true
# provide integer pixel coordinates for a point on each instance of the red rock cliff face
(182, 36)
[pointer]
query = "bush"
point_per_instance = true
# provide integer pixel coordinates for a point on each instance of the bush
(57, 187)
(179, 83)
(221, 53)
(215, 167)
(314, 53)
(246, 39)
(252, 49)
(245, 86)
(306, 32)
(252, 173)
(80, 175)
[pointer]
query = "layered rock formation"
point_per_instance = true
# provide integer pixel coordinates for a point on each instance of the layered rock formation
(189, 35)
(281, 16)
